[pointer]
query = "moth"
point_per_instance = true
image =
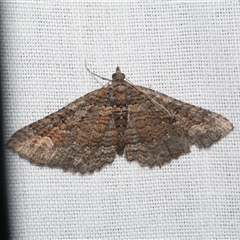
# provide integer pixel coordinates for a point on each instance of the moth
(120, 118)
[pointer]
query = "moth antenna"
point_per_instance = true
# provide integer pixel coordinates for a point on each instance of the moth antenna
(154, 102)
(94, 74)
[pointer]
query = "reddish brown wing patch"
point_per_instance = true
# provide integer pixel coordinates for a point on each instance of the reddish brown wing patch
(162, 128)
(80, 137)
(148, 126)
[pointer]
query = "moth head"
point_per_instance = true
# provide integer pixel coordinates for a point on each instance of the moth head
(118, 76)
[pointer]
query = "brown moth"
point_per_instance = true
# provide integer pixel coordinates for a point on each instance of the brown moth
(145, 125)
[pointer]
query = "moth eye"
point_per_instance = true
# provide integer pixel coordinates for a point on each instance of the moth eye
(114, 75)
(123, 75)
